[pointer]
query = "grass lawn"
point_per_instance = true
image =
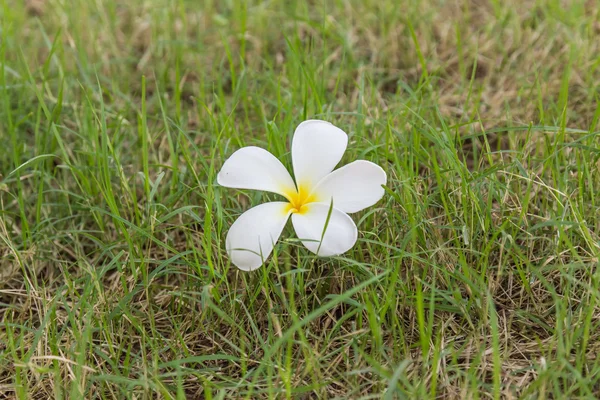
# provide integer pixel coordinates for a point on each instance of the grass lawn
(475, 277)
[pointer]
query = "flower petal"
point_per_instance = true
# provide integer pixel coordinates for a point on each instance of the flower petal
(317, 147)
(340, 235)
(251, 238)
(255, 168)
(353, 187)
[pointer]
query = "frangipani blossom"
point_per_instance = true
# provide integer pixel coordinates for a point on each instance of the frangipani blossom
(317, 147)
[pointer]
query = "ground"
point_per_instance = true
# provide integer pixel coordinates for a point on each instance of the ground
(476, 276)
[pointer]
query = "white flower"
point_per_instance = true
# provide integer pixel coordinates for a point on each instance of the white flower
(317, 147)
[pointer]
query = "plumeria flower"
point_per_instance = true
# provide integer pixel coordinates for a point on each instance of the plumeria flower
(319, 201)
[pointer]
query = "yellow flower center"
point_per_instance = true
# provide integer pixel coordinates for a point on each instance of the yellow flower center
(299, 199)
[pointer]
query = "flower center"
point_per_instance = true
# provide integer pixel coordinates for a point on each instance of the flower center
(299, 199)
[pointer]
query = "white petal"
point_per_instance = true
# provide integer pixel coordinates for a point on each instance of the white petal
(317, 147)
(340, 235)
(255, 168)
(353, 187)
(251, 238)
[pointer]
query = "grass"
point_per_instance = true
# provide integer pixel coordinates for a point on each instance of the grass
(475, 277)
